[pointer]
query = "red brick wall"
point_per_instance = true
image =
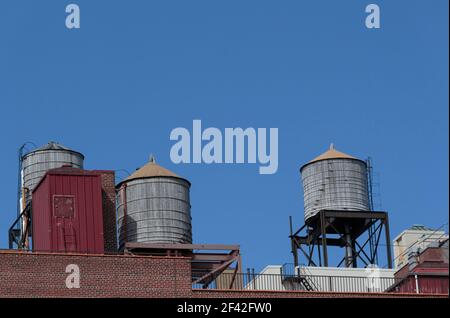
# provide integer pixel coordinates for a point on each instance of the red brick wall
(25, 274)
(44, 275)
(109, 210)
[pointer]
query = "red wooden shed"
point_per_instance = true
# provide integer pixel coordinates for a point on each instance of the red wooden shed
(67, 212)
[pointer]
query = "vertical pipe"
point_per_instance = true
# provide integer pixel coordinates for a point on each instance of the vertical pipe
(124, 222)
(293, 243)
(355, 258)
(348, 247)
(324, 238)
(417, 284)
(318, 252)
(388, 241)
(19, 180)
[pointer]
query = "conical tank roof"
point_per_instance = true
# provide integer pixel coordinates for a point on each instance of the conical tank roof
(331, 153)
(152, 170)
(52, 145)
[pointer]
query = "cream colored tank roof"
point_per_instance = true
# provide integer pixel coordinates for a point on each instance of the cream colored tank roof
(331, 154)
(151, 170)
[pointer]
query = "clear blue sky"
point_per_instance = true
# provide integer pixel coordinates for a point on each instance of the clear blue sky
(137, 69)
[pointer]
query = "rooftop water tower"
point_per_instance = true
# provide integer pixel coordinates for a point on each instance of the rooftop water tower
(153, 206)
(334, 181)
(33, 165)
(154, 218)
(37, 162)
(338, 212)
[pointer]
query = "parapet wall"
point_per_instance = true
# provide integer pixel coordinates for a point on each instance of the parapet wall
(44, 275)
(26, 274)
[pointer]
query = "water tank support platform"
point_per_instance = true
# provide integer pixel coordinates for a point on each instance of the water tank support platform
(347, 227)
(208, 261)
(20, 230)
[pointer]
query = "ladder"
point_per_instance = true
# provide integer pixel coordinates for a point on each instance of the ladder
(305, 279)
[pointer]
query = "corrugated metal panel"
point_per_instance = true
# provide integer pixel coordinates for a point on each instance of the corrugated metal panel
(335, 184)
(156, 210)
(67, 213)
(37, 163)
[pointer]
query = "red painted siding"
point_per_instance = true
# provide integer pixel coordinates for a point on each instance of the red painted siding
(428, 284)
(433, 285)
(67, 212)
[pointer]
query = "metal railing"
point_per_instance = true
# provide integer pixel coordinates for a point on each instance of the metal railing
(284, 282)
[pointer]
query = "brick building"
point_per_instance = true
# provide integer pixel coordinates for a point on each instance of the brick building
(75, 252)
(25, 274)
(426, 271)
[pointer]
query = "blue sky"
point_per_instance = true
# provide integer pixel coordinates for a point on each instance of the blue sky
(115, 89)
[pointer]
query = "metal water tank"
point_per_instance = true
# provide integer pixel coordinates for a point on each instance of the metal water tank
(153, 206)
(334, 181)
(50, 156)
